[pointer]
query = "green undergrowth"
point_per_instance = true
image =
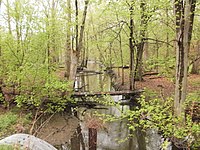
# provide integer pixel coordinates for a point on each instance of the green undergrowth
(7, 120)
(13, 121)
(8, 147)
(157, 113)
(195, 83)
(50, 97)
(153, 112)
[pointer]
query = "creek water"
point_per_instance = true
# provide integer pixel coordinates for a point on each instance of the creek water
(113, 135)
(116, 134)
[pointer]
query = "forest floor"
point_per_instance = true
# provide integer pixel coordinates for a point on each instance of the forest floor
(167, 86)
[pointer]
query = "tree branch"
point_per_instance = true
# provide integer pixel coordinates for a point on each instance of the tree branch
(158, 41)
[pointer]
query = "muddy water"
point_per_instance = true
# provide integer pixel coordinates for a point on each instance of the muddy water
(59, 129)
(93, 79)
(112, 136)
(116, 134)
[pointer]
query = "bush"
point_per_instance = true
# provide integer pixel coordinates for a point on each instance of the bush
(158, 114)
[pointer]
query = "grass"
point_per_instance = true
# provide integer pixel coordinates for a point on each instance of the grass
(10, 122)
(195, 82)
(7, 147)
(7, 120)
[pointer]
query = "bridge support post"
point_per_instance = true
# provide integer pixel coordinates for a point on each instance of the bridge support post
(92, 139)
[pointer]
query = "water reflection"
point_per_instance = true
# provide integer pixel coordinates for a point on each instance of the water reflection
(92, 79)
(116, 134)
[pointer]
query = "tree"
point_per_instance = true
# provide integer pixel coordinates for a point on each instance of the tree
(69, 50)
(1, 92)
(142, 35)
(131, 45)
(184, 12)
(196, 58)
(0, 29)
(9, 17)
(75, 55)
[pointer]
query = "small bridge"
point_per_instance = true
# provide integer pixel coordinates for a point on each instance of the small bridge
(125, 98)
(95, 81)
(111, 93)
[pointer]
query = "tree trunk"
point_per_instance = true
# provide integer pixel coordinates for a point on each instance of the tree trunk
(76, 36)
(9, 18)
(121, 57)
(76, 54)
(73, 65)
(196, 62)
(47, 58)
(140, 46)
(167, 36)
(53, 31)
(1, 80)
(183, 37)
(80, 44)
(132, 80)
(0, 32)
(68, 41)
(139, 61)
(181, 79)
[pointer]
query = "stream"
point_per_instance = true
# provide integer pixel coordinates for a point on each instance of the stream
(115, 134)
(81, 127)
(61, 129)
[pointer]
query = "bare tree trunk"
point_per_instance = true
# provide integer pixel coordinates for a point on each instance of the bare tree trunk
(80, 44)
(17, 21)
(20, 51)
(53, 40)
(196, 62)
(191, 8)
(9, 18)
(76, 36)
(0, 32)
(1, 80)
(47, 58)
(68, 41)
(121, 56)
(184, 14)
(110, 55)
(140, 46)
(76, 54)
(132, 76)
(180, 87)
(167, 38)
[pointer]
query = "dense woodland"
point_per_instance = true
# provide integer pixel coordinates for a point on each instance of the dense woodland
(39, 39)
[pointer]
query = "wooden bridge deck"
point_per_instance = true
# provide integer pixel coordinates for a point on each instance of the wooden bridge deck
(112, 93)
